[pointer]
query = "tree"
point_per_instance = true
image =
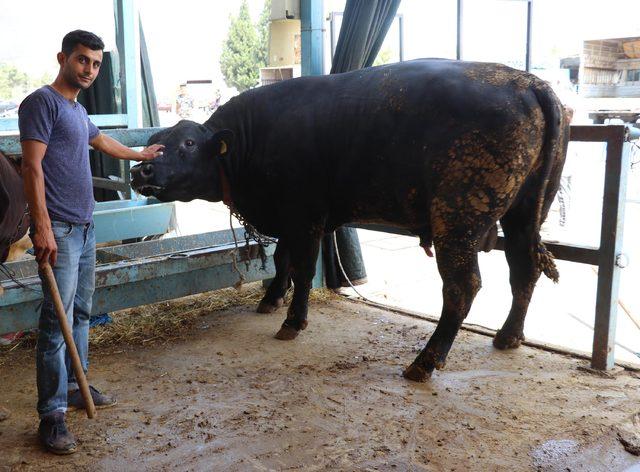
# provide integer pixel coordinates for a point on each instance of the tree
(15, 84)
(263, 32)
(245, 49)
(384, 57)
(10, 80)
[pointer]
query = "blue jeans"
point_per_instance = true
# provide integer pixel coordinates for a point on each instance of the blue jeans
(75, 275)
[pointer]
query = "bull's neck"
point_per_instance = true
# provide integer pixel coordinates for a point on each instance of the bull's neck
(225, 184)
(235, 116)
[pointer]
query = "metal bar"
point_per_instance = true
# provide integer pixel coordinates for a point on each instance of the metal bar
(567, 252)
(133, 137)
(114, 120)
(11, 124)
(615, 187)
(10, 144)
(101, 182)
(118, 224)
(332, 19)
(595, 133)
(8, 124)
(126, 284)
(311, 26)
(172, 245)
(131, 44)
(311, 37)
(580, 254)
(319, 278)
(459, 7)
(401, 35)
(141, 250)
(527, 60)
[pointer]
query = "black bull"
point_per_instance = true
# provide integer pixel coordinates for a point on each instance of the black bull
(442, 148)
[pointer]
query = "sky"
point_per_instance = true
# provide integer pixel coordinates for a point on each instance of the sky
(185, 38)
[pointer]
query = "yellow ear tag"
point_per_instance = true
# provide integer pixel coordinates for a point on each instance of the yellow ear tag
(223, 147)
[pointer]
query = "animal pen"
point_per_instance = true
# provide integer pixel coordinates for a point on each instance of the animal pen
(223, 394)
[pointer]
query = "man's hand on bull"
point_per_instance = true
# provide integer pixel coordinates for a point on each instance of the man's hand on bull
(45, 247)
(151, 152)
(108, 145)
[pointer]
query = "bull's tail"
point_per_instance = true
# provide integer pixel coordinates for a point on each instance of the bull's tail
(554, 150)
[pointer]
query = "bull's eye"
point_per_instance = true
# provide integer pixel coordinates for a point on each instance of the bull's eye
(189, 142)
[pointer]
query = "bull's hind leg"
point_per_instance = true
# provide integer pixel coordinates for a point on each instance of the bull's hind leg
(523, 275)
(304, 253)
(274, 296)
(461, 281)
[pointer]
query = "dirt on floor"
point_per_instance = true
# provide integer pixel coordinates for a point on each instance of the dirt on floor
(228, 396)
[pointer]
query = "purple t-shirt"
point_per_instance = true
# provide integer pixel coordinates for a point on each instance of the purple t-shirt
(64, 126)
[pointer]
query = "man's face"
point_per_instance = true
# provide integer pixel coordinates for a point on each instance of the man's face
(81, 67)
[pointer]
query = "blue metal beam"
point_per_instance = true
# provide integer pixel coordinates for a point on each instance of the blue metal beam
(11, 124)
(127, 219)
(128, 283)
(10, 144)
(311, 22)
(311, 26)
(611, 236)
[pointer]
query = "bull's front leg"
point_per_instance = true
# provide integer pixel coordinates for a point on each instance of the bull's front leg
(460, 283)
(303, 255)
(274, 296)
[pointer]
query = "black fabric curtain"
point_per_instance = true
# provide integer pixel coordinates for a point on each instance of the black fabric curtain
(364, 26)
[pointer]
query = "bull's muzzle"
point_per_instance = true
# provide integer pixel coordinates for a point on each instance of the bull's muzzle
(141, 178)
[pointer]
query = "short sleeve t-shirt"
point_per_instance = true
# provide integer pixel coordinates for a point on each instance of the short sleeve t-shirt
(64, 126)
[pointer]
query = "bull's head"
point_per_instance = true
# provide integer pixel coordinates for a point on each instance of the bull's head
(188, 167)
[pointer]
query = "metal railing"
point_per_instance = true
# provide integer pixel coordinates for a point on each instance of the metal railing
(608, 256)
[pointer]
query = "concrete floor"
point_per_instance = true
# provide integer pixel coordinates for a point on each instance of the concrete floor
(228, 396)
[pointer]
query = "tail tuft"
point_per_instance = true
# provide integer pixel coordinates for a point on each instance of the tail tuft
(546, 263)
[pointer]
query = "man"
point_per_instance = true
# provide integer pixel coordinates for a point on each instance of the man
(55, 132)
(184, 103)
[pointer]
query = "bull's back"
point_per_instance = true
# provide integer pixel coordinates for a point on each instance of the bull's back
(380, 143)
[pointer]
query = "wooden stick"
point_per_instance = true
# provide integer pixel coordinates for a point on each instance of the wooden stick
(68, 339)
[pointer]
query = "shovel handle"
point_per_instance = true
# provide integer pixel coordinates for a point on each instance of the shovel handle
(68, 339)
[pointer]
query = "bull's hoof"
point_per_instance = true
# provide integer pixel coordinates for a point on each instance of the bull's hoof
(287, 333)
(507, 341)
(266, 307)
(416, 373)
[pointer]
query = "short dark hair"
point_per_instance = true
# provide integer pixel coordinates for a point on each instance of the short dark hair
(87, 39)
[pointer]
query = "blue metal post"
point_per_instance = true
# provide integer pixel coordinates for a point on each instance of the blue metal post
(130, 43)
(611, 234)
(311, 22)
(459, 7)
(527, 60)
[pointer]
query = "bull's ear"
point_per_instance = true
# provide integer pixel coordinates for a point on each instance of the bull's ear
(155, 138)
(222, 142)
